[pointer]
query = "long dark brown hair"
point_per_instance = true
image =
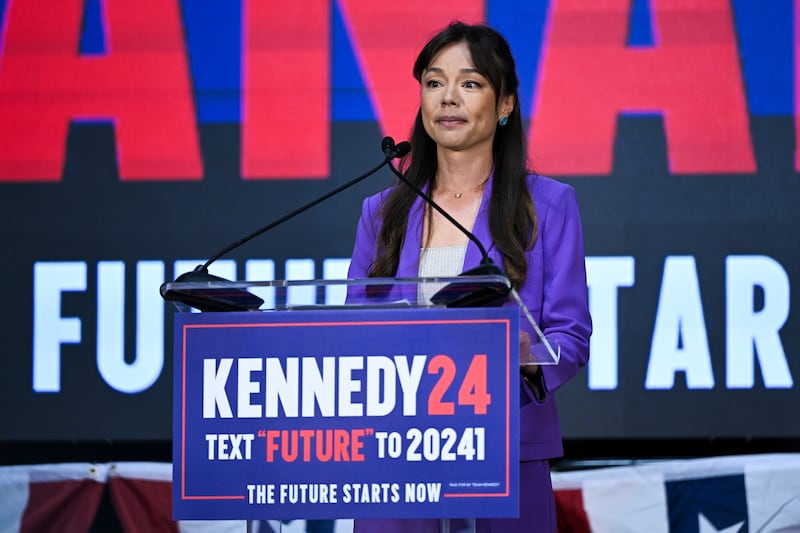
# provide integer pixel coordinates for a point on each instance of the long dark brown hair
(512, 218)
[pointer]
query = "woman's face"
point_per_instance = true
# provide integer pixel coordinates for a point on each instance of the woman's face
(458, 104)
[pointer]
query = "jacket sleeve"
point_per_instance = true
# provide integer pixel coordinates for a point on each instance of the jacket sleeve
(565, 315)
(364, 247)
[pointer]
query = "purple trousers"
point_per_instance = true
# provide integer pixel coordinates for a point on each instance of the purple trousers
(537, 510)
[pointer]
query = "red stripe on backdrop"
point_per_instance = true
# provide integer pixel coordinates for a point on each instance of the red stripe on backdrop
(143, 505)
(61, 506)
(570, 514)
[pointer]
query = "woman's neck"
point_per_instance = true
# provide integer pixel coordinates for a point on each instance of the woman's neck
(462, 171)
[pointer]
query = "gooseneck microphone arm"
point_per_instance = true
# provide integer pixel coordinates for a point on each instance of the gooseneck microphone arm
(390, 152)
(223, 298)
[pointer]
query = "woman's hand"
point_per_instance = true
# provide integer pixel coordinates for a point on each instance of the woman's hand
(524, 347)
(531, 372)
(527, 362)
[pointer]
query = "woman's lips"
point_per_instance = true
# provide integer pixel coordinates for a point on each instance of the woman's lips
(451, 121)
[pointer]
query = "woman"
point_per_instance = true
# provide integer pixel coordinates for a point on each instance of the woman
(469, 153)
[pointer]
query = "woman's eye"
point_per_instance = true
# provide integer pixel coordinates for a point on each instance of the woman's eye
(472, 85)
(434, 83)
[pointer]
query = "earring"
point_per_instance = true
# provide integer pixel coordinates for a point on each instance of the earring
(503, 121)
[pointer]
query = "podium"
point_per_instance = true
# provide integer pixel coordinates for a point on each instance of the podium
(358, 398)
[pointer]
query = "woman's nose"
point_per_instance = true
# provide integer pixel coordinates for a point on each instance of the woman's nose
(449, 96)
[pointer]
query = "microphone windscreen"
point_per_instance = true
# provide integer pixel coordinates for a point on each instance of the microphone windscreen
(402, 149)
(388, 146)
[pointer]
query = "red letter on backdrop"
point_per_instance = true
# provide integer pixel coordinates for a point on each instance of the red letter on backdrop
(692, 76)
(387, 57)
(286, 89)
(142, 85)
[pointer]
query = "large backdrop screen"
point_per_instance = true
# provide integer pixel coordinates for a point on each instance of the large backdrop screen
(139, 137)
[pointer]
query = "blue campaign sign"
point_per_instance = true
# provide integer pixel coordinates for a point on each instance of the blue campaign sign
(346, 414)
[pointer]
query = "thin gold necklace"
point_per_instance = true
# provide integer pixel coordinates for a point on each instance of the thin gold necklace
(458, 195)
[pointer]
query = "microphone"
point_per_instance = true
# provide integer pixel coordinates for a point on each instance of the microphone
(391, 151)
(478, 294)
(234, 299)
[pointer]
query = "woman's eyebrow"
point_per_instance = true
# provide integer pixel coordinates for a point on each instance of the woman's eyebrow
(462, 71)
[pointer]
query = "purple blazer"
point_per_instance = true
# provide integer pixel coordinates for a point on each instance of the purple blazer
(555, 291)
